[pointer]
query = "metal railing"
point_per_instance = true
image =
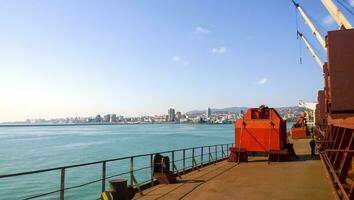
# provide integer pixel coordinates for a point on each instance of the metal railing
(336, 152)
(214, 154)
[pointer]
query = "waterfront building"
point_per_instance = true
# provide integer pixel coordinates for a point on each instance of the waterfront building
(113, 118)
(171, 115)
(98, 118)
(208, 112)
(107, 118)
(120, 119)
(178, 116)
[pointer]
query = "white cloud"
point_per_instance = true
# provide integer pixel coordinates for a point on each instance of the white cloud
(328, 20)
(176, 58)
(351, 2)
(179, 60)
(262, 81)
(220, 50)
(201, 30)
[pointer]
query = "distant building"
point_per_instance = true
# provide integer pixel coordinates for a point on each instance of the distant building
(208, 112)
(178, 116)
(113, 118)
(171, 115)
(98, 118)
(120, 118)
(107, 118)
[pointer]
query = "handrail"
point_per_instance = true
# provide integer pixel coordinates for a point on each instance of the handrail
(133, 182)
(335, 176)
(98, 162)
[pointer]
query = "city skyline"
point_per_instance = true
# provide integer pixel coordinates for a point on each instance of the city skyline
(209, 115)
(79, 58)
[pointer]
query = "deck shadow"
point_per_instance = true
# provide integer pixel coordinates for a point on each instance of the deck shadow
(191, 181)
(197, 181)
(302, 157)
(305, 157)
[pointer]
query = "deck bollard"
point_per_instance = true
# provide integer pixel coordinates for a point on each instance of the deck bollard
(120, 190)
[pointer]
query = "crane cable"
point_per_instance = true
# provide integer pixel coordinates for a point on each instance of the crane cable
(316, 50)
(347, 7)
(297, 36)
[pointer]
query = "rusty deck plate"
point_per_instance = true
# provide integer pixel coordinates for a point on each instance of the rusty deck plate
(304, 179)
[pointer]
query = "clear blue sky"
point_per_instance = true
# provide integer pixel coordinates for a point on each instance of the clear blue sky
(137, 57)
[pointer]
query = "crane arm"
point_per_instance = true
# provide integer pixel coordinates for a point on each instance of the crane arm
(337, 14)
(309, 47)
(310, 24)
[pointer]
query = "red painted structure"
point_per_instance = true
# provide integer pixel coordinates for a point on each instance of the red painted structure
(260, 130)
(335, 111)
(299, 129)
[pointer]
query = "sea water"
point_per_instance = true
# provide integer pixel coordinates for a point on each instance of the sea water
(39, 147)
(32, 148)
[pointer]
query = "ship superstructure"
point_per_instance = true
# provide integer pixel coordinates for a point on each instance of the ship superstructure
(334, 112)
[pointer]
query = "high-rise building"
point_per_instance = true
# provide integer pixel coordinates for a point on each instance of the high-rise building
(107, 118)
(113, 118)
(208, 112)
(171, 115)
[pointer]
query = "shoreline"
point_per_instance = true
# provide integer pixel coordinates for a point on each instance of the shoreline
(103, 124)
(93, 124)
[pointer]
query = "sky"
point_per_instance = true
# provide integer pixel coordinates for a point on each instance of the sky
(141, 57)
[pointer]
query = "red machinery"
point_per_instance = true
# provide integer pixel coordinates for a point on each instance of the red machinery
(260, 130)
(299, 129)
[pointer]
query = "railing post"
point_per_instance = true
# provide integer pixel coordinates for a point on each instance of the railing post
(152, 169)
(193, 159)
(227, 149)
(173, 162)
(209, 154)
(131, 170)
(201, 155)
(62, 183)
(216, 153)
(222, 151)
(103, 176)
(184, 160)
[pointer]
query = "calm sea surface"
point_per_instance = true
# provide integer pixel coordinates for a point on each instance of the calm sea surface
(31, 148)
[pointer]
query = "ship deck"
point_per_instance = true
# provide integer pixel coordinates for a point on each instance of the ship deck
(302, 179)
